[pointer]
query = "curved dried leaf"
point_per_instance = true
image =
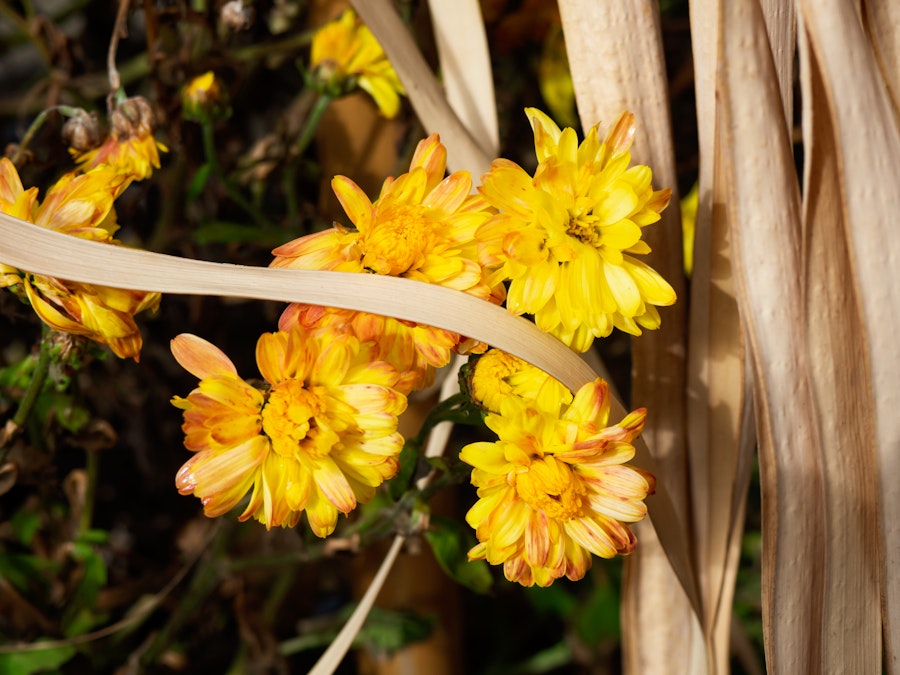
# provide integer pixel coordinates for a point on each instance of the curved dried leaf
(867, 142)
(764, 209)
(423, 90)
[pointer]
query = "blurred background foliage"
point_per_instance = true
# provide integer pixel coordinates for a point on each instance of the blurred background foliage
(99, 555)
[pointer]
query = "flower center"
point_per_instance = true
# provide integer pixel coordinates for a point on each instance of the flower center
(288, 416)
(489, 381)
(398, 241)
(583, 228)
(555, 491)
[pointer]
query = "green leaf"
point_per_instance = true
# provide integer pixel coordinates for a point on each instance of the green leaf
(18, 375)
(94, 537)
(24, 570)
(25, 525)
(384, 631)
(409, 460)
(199, 182)
(556, 600)
(387, 631)
(450, 541)
(223, 232)
(39, 661)
(70, 416)
(597, 620)
(79, 616)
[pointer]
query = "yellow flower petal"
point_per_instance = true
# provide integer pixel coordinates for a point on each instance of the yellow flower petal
(200, 358)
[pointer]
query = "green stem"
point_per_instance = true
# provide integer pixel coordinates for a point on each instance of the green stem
(312, 123)
(279, 590)
(313, 118)
(38, 377)
(35, 126)
(452, 409)
(87, 514)
(26, 405)
(265, 49)
(209, 149)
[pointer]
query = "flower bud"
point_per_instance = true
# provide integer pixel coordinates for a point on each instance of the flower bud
(205, 99)
(82, 131)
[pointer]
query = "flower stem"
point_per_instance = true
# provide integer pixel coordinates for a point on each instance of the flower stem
(26, 405)
(37, 382)
(312, 123)
(87, 514)
(313, 118)
(35, 126)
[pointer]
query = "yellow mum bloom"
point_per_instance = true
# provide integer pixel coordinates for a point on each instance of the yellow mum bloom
(320, 437)
(204, 98)
(554, 488)
(497, 375)
(689, 205)
(422, 226)
(130, 150)
(565, 238)
(414, 350)
(346, 55)
(80, 205)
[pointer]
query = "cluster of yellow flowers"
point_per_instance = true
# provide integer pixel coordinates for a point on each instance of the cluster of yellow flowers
(555, 487)
(320, 435)
(80, 203)
(345, 56)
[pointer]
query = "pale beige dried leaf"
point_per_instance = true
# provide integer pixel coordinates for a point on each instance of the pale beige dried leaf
(842, 396)
(43, 251)
(423, 90)
(764, 212)
(331, 659)
(721, 425)
(466, 68)
(883, 25)
(625, 70)
(867, 141)
(651, 632)
(781, 29)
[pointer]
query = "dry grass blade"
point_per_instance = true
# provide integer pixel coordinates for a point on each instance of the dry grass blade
(721, 430)
(764, 210)
(43, 251)
(429, 102)
(842, 391)
(331, 659)
(883, 23)
(780, 27)
(626, 70)
(867, 141)
(466, 68)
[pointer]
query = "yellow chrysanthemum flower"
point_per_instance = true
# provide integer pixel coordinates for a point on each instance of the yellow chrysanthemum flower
(496, 375)
(414, 350)
(204, 98)
(80, 205)
(555, 488)
(422, 226)
(689, 205)
(319, 438)
(566, 238)
(130, 149)
(346, 55)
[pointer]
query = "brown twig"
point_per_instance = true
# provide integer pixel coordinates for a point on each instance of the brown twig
(120, 30)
